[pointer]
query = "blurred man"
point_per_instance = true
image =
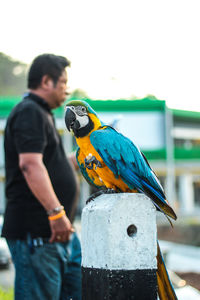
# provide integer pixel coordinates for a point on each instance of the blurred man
(41, 190)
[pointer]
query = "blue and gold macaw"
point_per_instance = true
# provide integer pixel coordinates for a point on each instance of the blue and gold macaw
(107, 159)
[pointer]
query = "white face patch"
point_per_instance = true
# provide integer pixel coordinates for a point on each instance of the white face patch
(80, 116)
(83, 120)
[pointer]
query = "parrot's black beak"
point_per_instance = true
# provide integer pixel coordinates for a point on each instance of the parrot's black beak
(70, 118)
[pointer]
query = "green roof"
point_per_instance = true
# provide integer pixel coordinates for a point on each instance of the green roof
(186, 114)
(145, 104)
(187, 154)
(121, 105)
(180, 153)
(7, 104)
(159, 154)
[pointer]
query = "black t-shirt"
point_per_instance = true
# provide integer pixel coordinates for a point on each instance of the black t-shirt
(30, 129)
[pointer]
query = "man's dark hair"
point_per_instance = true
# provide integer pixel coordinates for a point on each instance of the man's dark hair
(46, 64)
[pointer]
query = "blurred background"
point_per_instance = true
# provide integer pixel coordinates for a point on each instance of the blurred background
(137, 64)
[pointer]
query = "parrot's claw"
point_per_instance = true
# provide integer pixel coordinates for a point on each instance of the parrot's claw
(101, 192)
(90, 162)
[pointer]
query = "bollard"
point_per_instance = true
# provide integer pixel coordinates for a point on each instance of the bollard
(119, 248)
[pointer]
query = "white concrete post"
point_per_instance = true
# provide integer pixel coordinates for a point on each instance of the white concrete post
(119, 248)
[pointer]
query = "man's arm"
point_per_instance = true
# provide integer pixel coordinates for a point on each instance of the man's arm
(37, 178)
(72, 158)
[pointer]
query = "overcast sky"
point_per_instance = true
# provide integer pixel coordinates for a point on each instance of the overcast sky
(118, 48)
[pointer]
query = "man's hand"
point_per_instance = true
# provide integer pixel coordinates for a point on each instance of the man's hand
(61, 229)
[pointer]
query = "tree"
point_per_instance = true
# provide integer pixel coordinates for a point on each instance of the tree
(151, 97)
(79, 94)
(12, 76)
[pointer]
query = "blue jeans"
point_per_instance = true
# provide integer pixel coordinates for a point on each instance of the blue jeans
(49, 272)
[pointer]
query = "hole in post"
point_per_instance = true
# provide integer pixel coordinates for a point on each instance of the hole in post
(131, 230)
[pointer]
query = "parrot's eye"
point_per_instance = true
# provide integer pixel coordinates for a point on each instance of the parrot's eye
(83, 109)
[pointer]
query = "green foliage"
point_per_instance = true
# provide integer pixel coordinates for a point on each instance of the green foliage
(6, 295)
(78, 94)
(151, 97)
(12, 76)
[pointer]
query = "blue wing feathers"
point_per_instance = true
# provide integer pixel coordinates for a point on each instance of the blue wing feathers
(124, 158)
(129, 162)
(154, 191)
(109, 161)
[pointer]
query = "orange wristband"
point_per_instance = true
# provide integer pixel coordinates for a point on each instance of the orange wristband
(58, 216)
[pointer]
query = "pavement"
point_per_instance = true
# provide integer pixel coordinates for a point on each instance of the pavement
(187, 293)
(181, 258)
(7, 277)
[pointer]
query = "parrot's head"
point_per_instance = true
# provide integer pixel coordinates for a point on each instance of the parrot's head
(81, 118)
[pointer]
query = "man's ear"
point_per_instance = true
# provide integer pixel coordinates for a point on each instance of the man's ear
(47, 82)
